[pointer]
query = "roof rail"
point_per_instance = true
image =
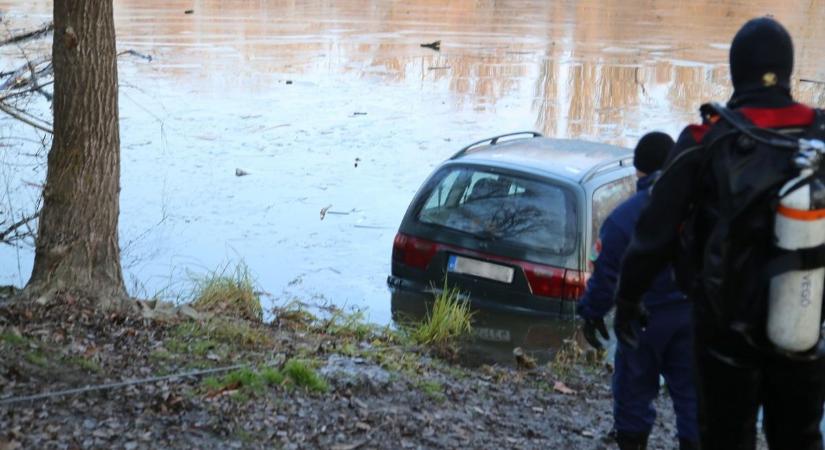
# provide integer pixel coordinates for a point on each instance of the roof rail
(601, 167)
(494, 141)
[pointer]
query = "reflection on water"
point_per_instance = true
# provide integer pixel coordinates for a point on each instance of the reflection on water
(272, 87)
(495, 334)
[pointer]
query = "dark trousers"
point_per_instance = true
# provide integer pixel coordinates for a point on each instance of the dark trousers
(734, 380)
(665, 348)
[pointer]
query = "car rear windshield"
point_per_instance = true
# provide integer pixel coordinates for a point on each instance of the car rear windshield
(491, 206)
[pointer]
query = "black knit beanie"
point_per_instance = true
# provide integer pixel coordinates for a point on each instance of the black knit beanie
(651, 152)
(761, 55)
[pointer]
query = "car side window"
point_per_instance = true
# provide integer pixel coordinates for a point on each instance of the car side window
(607, 197)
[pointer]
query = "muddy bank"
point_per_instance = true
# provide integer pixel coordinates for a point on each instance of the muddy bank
(333, 383)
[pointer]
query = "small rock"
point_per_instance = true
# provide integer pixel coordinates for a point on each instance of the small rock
(241, 173)
(189, 11)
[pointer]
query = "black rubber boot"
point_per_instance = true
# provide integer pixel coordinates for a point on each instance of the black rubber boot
(686, 444)
(631, 441)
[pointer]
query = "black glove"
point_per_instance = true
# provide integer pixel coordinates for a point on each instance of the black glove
(630, 317)
(591, 326)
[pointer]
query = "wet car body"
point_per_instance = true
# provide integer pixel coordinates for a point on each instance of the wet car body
(510, 221)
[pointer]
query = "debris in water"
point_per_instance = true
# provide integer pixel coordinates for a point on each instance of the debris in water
(523, 361)
(189, 11)
(288, 81)
(436, 45)
(324, 211)
(241, 173)
(357, 160)
(137, 54)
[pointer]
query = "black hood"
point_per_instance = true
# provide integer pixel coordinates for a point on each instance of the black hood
(761, 60)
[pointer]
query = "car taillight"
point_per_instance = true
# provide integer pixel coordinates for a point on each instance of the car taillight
(546, 281)
(413, 251)
(574, 283)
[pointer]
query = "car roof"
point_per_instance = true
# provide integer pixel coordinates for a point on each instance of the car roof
(572, 159)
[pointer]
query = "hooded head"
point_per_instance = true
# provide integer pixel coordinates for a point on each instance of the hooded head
(651, 152)
(761, 56)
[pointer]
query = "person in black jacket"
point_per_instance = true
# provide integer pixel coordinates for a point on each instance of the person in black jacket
(666, 346)
(735, 376)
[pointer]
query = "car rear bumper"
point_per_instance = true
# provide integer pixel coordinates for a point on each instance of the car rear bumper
(409, 293)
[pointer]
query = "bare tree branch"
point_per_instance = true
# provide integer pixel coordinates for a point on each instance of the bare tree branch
(48, 28)
(21, 116)
(12, 233)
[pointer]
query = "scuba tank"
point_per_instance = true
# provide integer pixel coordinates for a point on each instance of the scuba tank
(795, 296)
(792, 270)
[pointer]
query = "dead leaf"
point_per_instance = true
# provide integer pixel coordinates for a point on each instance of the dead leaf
(10, 445)
(562, 388)
(352, 446)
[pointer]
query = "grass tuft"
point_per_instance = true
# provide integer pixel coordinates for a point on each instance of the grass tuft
(272, 377)
(210, 333)
(570, 354)
(433, 390)
(346, 325)
(37, 358)
(302, 375)
(86, 364)
(15, 340)
(247, 382)
(449, 319)
(229, 294)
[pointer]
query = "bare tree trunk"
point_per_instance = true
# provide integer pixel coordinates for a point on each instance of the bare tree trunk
(77, 242)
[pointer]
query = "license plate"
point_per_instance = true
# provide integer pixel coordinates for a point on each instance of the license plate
(481, 269)
(492, 334)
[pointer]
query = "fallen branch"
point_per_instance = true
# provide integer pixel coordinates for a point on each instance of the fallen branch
(806, 80)
(29, 35)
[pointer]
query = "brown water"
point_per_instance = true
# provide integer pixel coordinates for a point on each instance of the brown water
(273, 87)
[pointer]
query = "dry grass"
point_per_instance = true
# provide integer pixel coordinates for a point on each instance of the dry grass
(570, 354)
(229, 294)
(449, 319)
